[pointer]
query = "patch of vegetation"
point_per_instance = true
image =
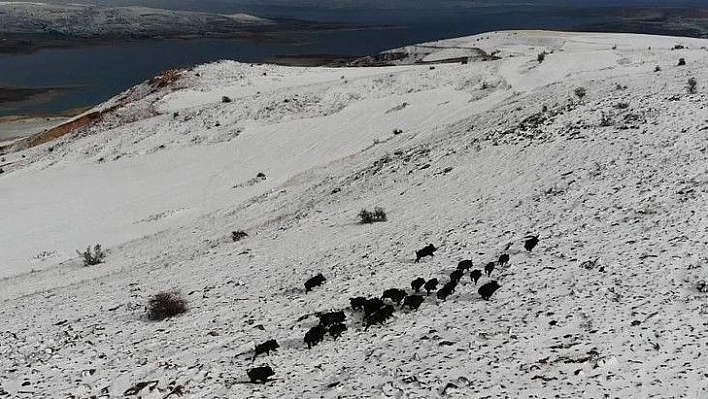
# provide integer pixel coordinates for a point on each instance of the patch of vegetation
(606, 120)
(580, 92)
(238, 235)
(691, 85)
(93, 258)
(166, 304)
(378, 215)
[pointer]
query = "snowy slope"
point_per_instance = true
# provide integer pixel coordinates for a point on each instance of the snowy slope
(490, 152)
(85, 20)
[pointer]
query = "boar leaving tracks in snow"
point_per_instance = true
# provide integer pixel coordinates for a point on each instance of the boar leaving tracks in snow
(530, 243)
(260, 374)
(314, 282)
(465, 264)
(372, 306)
(328, 319)
(431, 285)
(475, 275)
(394, 294)
(503, 259)
(413, 301)
(336, 330)
(489, 268)
(456, 275)
(417, 283)
(488, 289)
(358, 302)
(426, 251)
(314, 336)
(380, 316)
(266, 347)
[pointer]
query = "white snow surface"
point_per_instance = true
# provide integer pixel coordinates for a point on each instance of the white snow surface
(490, 151)
(87, 20)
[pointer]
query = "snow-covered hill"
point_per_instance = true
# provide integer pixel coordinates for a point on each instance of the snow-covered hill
(488, 152)
(91, 21)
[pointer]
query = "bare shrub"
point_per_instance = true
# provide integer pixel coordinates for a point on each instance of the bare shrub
(378, 215)
(93, 258)
(606, 119)
(580, 92)
(541, 57)
(691, 85)
(166, 304)
(238, 235)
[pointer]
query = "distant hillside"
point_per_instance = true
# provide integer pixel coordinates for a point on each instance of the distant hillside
(89, 21)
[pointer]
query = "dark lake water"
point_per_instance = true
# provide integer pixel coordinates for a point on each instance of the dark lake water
(100, 72)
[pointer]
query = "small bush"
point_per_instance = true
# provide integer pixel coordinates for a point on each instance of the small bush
(166, 304)
(702, 287)
(541, 56)
(91, 259)
(691, 85)
(238, 235)
(681, 62)
(606, 120)
(378, 215)
(580, 92)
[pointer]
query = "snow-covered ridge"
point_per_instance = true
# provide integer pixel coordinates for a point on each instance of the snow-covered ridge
(485, 153)
(83, 20)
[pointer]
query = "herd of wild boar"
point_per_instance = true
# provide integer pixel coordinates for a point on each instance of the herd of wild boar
(377, 310)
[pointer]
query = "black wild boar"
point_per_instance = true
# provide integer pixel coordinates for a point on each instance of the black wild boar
(336, 330)
(394, 294)
(465, 264)
(444, 292)
(358, 302)
(456, 275)
(475, 275)
(530, 243)
(372, 306)
(328, 319)
(314, 336)
(488, 289)
(489, 268)
(260, 374)
(431, 285)
(413, 301)
(379, 317)
(426, 251)
(417, 283)
(314, 282)
(266, 347)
